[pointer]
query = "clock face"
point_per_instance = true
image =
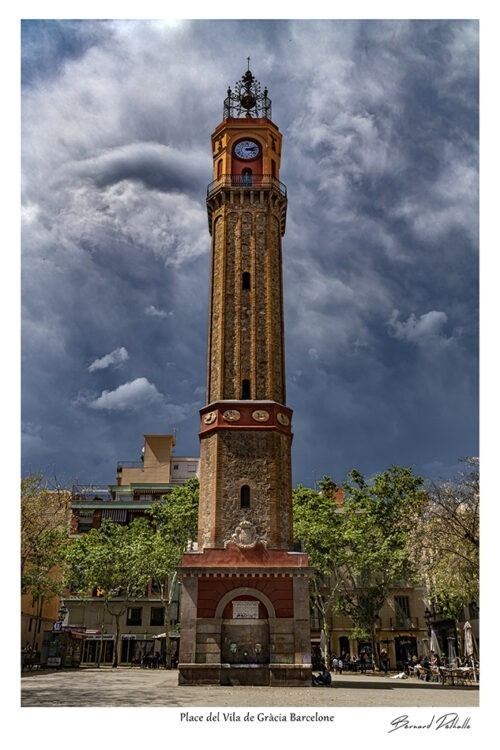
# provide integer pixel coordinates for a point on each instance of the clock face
(247, 150)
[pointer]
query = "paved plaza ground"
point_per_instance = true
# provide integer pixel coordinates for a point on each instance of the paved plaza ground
(127, 686)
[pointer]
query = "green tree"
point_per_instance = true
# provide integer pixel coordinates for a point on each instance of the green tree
(359, 545)
(44, 537)
(176, 522)
(445, 542)
(115, 560)
(120, 561)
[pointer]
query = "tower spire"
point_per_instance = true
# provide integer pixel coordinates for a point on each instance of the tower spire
(247, 99)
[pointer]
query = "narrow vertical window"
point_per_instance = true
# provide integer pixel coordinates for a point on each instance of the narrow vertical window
(245, 389)
(273, 168)
(245, 281)
(245, 496)
(219, 169)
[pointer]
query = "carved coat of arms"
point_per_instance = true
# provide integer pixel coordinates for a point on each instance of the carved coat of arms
(245, 535)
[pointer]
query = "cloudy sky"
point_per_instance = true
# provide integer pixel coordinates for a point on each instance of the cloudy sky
(380, 158)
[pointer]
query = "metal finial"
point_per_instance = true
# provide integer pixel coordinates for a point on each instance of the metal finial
(247, 100)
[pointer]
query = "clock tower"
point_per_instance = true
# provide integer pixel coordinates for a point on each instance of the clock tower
(245, 593)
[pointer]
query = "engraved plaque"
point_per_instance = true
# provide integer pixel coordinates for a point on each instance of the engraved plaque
(231, 415)
(245, 610)
(210, 417)
(260, 415)
(283, 419)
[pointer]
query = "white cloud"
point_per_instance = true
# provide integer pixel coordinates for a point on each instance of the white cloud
(155, 312)
(116, 357)
(427, 328)
(133, 395)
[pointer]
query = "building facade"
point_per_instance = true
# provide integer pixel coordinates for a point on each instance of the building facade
(401, 629)
(142, 624)
(245, 593)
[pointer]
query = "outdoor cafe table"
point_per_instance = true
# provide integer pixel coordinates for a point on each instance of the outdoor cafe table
(458, 675)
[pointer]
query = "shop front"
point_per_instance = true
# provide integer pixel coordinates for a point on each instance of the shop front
(61, 648)
(138, 649)
(98, 648)
(405, 647)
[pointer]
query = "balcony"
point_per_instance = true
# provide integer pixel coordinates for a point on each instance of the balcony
(91, 493)
(246, 182)
(402, 622)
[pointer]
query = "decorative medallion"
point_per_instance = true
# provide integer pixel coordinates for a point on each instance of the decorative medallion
(283, 419)
(245, 535)
(260, 415)
(231, 415)
(210, 417)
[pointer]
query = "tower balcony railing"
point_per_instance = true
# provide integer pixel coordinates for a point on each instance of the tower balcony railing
(246, 181)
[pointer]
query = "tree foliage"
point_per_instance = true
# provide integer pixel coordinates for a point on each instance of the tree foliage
(44, 520)
(120, 561)
(114, 560)
(44, 536)
(358, 547)
(445, 541)
(176, 523)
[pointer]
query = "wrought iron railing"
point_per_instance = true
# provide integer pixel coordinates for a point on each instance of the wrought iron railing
(91, 492)
(404, 623)
(250, 181)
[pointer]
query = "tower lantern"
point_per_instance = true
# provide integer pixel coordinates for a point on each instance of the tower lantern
(245, 586)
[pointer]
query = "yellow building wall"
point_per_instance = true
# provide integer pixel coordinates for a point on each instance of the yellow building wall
(156, 462)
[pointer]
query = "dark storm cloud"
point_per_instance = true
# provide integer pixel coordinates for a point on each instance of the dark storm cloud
(46, 45)
(158, 167)
(380, 157)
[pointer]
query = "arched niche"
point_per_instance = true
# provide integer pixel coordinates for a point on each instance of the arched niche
(245, 641)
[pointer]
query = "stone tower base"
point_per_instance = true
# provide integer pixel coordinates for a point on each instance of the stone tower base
(245, 617)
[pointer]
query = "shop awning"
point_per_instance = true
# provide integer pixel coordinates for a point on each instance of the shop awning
(115, 514)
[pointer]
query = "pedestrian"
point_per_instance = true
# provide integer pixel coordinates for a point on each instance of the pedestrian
(425, 664)
(435, 660)
(362, 662)
(384, 660)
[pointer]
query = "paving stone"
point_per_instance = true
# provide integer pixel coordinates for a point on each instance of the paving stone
(128, 686)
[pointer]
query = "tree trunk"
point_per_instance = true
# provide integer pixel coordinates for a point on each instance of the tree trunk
(117, 640)
(99, 659)
(375, 655)
(38, 617)
(327, 642)
(168, 645)
(168, 606)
